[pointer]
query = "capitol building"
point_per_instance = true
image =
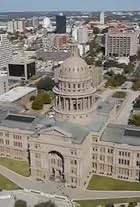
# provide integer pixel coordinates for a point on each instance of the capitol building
(79, 141)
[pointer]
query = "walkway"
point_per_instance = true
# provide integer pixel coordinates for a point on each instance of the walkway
(59, 189)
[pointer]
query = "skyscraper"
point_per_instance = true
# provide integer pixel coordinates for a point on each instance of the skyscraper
(102, 18)
(5, 51)
(60, 24)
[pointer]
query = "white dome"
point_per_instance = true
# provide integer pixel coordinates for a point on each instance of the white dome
(74, 67)
(46, 22)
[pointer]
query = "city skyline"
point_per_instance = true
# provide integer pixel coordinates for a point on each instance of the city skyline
(88, 5)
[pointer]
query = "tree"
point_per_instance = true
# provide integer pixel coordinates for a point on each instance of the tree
(32, 98)
(132, 204)
(133, 58)
(46, 98)
(137, 104)
(135, 120)
(105, 30)
(46, 84)
(37, 103)
(119, 94)
(96, 30)
(20, 203)
(109, 205)
(90, 60)
(116, 80)
(138, 55)
(45, 204)
(129, 68)
(136, 85)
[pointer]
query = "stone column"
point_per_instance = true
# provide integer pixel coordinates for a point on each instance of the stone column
(77, 104)
(71, 104)
(59, 104)
(88, 102)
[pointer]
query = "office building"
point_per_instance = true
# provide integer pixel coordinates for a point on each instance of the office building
(16, 26)
(6, 52)
(60, 24)
(4, 86)
(35, 22)
(121, 44)
(18, 95)
(21, 69)
(82, 35)
(61, 40)
(102, 18)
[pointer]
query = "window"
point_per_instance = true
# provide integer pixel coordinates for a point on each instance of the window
(18, 144)
(1, 134)
(7, 134)
(37, 155)
(74, 171)
(18, 137)
(74, 162)
(7, 142)
(37, 146)
(1, 141)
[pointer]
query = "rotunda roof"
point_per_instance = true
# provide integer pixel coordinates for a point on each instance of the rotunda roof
(74, 67)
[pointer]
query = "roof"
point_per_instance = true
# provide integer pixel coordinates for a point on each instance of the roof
(74, 67)
(16, 93)
(120, 134)
(78, 133)
(18, 60)
(7, 200)
(53, 56)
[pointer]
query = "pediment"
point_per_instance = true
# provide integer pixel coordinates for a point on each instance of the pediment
(56, 131)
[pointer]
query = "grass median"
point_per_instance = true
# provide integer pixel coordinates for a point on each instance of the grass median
(104, 202)
(20, 167)
(109, 184)
(7, 184)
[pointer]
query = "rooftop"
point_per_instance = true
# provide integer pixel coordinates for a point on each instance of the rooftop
(16, 93)
(18, 60)
(120, 134)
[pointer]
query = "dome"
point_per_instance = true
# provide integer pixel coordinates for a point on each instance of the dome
(74, 67)
(46, 22)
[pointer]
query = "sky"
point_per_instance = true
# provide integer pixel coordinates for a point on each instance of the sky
(84, 5)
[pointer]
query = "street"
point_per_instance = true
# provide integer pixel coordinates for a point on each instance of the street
(59, 189)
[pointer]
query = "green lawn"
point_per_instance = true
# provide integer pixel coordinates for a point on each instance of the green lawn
(7, 184)
(20, 167)
(105, 183)
(102, 203)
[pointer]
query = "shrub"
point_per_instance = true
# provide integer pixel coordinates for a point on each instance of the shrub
(37, 103)
(46, 84)
(20, 203)
(32, 98)
(45, 204)
(46, 99)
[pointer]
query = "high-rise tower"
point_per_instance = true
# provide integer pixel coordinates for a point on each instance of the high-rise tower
(60, 24)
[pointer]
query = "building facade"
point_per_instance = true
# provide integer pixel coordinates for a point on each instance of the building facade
(5, 52)
(16, 26)
(60, 24)
(21, 69)
(79, 141)
(121, 44)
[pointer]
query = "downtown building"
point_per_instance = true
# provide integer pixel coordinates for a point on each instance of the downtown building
(16, 26)
(6, 52)
(79, 141)
(121, 44)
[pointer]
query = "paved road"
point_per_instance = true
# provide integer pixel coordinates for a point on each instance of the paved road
(123, 116)
(59, 189)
